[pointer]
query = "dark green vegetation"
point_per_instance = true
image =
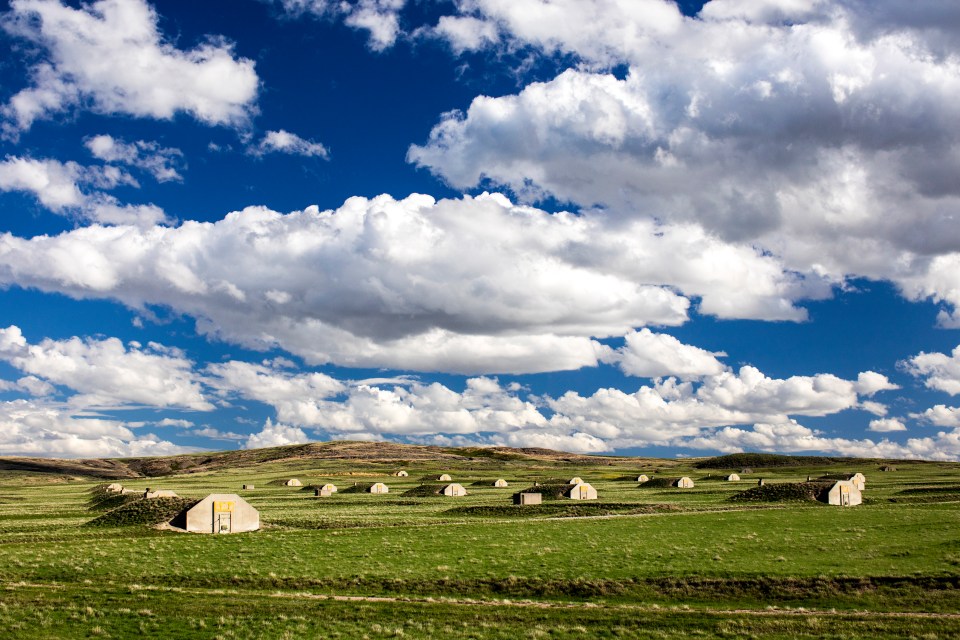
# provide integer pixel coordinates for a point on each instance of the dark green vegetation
(425, 491)
(783, 492)
(570, 509)
(550, 490)
(651, 562)
(659, 483)
(142, 512)
(737, 461)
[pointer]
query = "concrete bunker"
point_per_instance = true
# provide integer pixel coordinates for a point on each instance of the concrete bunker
(219, 513)
(527, 498)
(149, 494)
(325, 491)
(843, 493)
(454, 490)
(582, 491)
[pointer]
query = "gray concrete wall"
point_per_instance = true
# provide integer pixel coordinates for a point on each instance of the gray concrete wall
(202, 517)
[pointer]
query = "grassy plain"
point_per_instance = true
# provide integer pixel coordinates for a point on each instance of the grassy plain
(638, 563)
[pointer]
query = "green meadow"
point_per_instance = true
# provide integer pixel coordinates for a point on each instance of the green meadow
(637, 563)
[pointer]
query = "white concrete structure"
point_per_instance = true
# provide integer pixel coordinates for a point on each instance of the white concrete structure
(220, 513)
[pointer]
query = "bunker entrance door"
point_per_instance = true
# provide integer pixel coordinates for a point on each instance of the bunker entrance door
(223, 523)
(844, 497)
(222, 517)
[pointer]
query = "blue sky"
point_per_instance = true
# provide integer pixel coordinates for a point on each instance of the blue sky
(593, 225)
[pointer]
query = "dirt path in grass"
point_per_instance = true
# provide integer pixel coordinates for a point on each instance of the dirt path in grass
(534, 604)
(799, 612)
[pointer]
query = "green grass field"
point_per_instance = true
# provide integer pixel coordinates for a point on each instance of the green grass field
(638, 563)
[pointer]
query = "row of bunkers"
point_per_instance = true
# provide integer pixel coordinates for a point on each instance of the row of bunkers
(229, 513)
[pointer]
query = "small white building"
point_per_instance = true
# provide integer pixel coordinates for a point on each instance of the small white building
(575, 480)
(454, 490)
(684, 483)
(582, 491)
(159, 493)
(642, 478)
(293, 482)
(444, 477)
(501, 483)
(115, 487)
(378, 487)
(732, 478)
(401, 474)
(219, 513)
(843, 493)
(859, 480)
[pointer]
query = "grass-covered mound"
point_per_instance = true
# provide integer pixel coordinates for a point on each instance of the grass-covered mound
(835, 476)
(783, 492)
(360, 487)
(281, 482)
(424, 491)
(315, 486)
(737, 461)
(143, 512)
(550, 491)
(659, 483)
(433, 478)
(483, 483)
(563, 510)
(923, 495)
(103, 500)
(944, 488)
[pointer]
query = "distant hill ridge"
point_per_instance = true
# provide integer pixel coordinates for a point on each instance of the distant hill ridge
(380, 453)
(338, 450)
(736, 461)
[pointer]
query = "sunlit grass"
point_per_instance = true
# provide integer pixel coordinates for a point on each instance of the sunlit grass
(707, 553)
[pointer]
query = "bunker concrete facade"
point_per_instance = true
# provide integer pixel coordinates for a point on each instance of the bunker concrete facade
(221, 513)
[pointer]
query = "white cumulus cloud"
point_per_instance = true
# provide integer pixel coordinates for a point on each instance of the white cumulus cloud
(160, 162)
(380, 18)
(109, 55)
(107, 373)
(653, 355)
(939, 371)
(28, 428)
(275, 435)
(285, 142)
(67, 188)
(821, 131)
(884, 425)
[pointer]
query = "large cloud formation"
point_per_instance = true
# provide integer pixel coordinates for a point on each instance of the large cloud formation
(68, 188)
(822, 131)
(107, 373)
(111, 56)
(475, 285)
(723, 410)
